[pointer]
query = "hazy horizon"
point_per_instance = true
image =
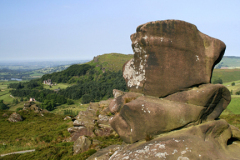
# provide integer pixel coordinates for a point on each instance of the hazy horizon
(69, 30)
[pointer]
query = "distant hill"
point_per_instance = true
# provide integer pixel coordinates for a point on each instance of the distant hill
(111, 61)
(229, 62)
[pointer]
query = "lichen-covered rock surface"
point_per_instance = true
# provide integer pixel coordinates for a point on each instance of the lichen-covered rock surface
(211, 140)
(170, 56)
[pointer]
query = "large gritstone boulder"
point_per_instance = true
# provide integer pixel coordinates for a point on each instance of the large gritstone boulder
(208, 141)
(170, 56)
(140, 116)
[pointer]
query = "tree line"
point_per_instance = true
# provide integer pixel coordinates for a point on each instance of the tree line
(91, 85)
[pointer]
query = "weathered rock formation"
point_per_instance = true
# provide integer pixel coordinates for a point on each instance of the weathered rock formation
(211, 140)
(170, 56)
(172, 110)
(34, 107)
(81, 144)
(138, 116)
(15, 117)
(173, 61)
(171, 100)
(92, 122)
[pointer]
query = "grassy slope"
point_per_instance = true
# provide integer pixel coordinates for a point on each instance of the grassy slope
(45, 134)
(76, 108)
(4, 93)
(34, 131)
(230, 61)
(59, 85)
(111, 61)
(227, 75)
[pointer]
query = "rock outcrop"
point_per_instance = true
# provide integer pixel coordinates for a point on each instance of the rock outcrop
(211, 140)
(172, 110)
(34, 107)
(92, 122)
(15, 117)
(81, 144)
(170, 56)
(138, 116)
(169, 81)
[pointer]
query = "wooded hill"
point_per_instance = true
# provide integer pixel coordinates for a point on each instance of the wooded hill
(92, 82)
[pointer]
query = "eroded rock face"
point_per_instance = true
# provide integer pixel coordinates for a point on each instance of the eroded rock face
(211, 140)
(144, 116)
(170, 56)
(214, 97)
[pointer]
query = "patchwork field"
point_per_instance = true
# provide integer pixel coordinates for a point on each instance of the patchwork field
(4, 92)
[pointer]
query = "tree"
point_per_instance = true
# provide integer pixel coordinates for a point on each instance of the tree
(49, 104)
(69, 102)
(15, 101)
(233, 84)
(2, 105)
(86, 98)
(238, 93)
(218, 81)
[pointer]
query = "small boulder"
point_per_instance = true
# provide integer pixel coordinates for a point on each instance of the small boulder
(102, 119)
(15, 117)
(104, 130)
(67, 118)
(117, 93)
(82, 144)
(76, 132)
(79, 122)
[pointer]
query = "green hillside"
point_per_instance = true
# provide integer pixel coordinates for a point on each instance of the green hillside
(227, 75)
(89, 82)
(230, 62)
(111, 61)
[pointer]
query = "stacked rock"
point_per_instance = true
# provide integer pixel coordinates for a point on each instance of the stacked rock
(172, 68)
(170, 92)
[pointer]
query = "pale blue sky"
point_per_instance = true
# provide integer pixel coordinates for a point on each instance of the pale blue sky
(81, 29)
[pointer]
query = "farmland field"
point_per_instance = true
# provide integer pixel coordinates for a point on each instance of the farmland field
(4, 93)
(59, 85)
(227, 75)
